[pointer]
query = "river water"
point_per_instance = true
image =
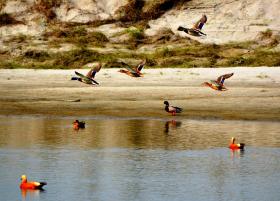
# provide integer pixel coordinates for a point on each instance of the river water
(149, 159)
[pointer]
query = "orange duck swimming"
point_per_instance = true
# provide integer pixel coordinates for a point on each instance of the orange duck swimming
(234, 146)
(31, 185)
(78, 124)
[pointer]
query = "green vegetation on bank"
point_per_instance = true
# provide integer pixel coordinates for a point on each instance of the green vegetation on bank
(161, 51)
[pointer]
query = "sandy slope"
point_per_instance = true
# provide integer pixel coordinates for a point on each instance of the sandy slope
(253, 93)
(228, 20)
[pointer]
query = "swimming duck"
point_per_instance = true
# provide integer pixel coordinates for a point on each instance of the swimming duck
(234, 146)
(78, 124)
(32, 185)
(89, 78)
(172, 109)
(219, 83)
(131, 71)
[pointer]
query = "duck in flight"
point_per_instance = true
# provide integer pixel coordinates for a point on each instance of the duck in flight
(197, 27)
(219, 83)
(89, 77)
(172, 109)
(133, 72)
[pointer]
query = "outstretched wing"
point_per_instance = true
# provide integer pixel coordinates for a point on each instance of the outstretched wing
(128, 67)
(81, 75)
(140, 66)
(175, 109)
(199, 24)
(85, 78)
(94, 70)
(222, 78)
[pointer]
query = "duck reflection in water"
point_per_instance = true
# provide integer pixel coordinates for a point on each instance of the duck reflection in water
(27, 194)
(173, 124)
(237, 153)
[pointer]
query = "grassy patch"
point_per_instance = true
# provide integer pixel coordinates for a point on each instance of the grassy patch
(75, 58)
(46, 7)
(135, 34)
(139, 10)
(266, 34)
(131, 12)
(36, 55)
(10, 65)
(181, 54)
(20, 38)
(154, 9)
(77, 35)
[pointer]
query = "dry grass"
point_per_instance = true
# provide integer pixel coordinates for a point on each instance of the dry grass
(164, 50)
(131, 12)
(46, 7)
(6, 19)
(139, 10)
(76, 35)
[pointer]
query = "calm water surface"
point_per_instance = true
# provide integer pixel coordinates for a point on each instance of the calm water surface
(116, 159)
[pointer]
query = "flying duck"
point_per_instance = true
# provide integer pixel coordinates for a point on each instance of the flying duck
(89, 78)
(196, 29)
(133, 72)
(219, 83)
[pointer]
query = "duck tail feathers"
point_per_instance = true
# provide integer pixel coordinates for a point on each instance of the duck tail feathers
(42, 184)
(180, 28)
(178, 109)
(242, 145)
(74, 78)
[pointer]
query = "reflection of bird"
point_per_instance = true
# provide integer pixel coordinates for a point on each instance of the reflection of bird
(89, 78)
(219, 83)
(173, 124)
(172, 109)
(78, 124)
(31, 185)
(133, 72)
(234, 146)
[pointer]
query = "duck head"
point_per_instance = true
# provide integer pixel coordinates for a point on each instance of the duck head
(232, 140)
(166, 103)
(23, 178)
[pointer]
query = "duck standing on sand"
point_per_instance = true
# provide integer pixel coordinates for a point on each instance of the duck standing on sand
(172, 109)
(234, 146)
(89, 78)
(31, 185)
(78, 124)
(219, 83)
(133, 72)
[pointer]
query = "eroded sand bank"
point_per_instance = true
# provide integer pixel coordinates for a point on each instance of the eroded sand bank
(254, 93)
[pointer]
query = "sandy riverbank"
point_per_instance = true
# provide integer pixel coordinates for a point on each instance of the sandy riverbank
(254, 93)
